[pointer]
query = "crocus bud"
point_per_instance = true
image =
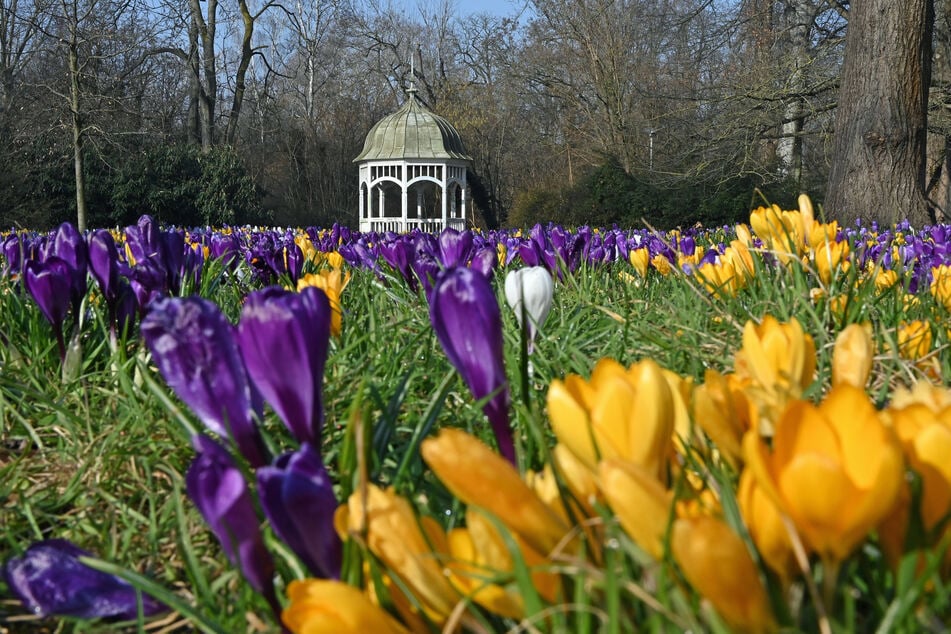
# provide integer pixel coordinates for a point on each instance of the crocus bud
(852, 355)
(283, 338)
(70, 245)
(104, 263)
(529, 292)
(716, 562)
(218, 489)
(298, 499)
(50, 580)
(468, 324)
(49, 283)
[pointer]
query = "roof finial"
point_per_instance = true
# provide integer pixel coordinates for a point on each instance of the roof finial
(412, 74)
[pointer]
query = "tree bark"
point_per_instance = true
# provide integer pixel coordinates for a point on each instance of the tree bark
(76, 120)
(878, 162)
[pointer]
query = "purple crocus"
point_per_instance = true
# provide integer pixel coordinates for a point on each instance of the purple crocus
(219, 490)
(104, 263)
(50, 580)
(298, 499)
(70, 246)
(455, 247)
(193, 345)
(49, 283)
(465, 315)
(283, 338)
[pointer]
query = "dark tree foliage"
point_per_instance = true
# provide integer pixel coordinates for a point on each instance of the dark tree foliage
(608, 195)
(181, 185)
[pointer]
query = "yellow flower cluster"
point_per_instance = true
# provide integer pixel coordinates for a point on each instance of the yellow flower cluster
(635, 445)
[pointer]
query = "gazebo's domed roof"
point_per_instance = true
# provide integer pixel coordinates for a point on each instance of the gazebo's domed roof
(413, 132)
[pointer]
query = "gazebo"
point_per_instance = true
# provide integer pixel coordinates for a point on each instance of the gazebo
(412, 172)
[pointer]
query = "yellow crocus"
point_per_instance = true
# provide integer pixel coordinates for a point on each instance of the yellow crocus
(333, 282)
(885, 279)
(716, 562)
(628, 414)
(738, 254)
(640, 260)
(941, 285)
(766, 527)
(411, 548)
(925, 435)
(324, 606)
(782, 232)
(661, 264)
(720, 279)
(840, 449)
(779, 360)
(852, 355)
(479, 476)
(480, 559)
(641, 503)
(914, 339)
(724, 412)
(831, 259)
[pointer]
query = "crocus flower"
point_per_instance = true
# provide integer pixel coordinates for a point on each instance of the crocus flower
(640, 260)
(70, 246)
(479, 551)
(716, 562)
(468, 324)
(319, 606)
(218, 489)
(921, 418)
(840, 448)
(49, 283)
(941, 285)
(193, 345)
(766, 528)
(641, 503)
(455, 247)
(298, 499)
(914, 339)
(780, 360)
(411, 548)
(529, 292)
(852, 355)
(478, 476)
(722, 409)
(332, 282)
(104, 262)
(283, 338)
(619, 413)
(50, 580)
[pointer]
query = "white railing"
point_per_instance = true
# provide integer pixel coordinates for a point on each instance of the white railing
(398, 225)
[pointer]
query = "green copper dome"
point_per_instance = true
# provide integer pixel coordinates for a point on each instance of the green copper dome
(413, 132)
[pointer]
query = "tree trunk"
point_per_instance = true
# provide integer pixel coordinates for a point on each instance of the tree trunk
(241, 74)
(78, 134)
(796, 17)
(209, 80)
(878, 162)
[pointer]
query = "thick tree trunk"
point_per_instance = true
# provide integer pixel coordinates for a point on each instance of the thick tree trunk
(878, 162)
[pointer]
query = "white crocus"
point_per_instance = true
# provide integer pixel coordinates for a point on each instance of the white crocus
(529, 292)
